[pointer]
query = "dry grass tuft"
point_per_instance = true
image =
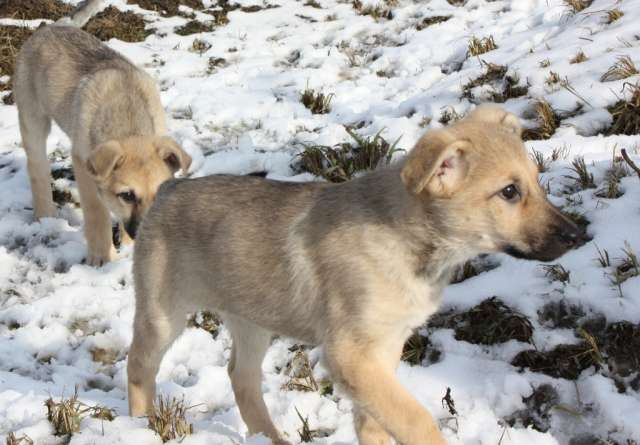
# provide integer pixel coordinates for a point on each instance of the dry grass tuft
(65, 416)
(576, 6)
(565, 361)
(195, 27)
(12, 439)
(377, 12)
(112, 23)
(316, 101)
(557, 272)
(622, 69)
(450, 115)
(583, 179)
(300, 374)
(493, 72)
(547, 119)
(34, 9)
(433, 20)
(205, 320)
(540, 160)
(343, 161)
(626, 113)
(11, 39)
(545, 63)
(200, 46)
(168, 419)
(577, 218)
(479, 46)
(579, 58)
(613, 15)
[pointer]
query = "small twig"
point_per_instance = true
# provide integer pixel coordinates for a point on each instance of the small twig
(628, 160)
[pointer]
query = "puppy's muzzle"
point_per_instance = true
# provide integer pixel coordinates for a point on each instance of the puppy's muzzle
(131, 227)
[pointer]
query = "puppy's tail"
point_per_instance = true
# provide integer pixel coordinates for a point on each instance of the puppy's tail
(82, 14)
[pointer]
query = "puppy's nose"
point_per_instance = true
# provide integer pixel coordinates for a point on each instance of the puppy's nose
(570, 235)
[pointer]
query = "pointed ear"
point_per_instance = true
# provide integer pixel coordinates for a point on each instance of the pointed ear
(172, 154)
(497, 115)
(104, 159)
(436, 166)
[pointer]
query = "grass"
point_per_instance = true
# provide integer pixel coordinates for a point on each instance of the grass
(545, 63)
(626, 113)
(12, 439)
(576, 6)
(540, 160)
(629, 265)
(200, 46)
(583, 179)
(415, 349)
(11, 39)
(34, 9)
(479, 46)
(194, 27)
(305, 432)
(377, 12)
(65, 415)
(168, 419)
(623, 68)
(214, 63)
(613, 15)
(207, 321)
(433, 20)
(510, 90)
(111, 23)
(603, 258)
(449, 115)
(547, 120)
(300, 374)
(557, 272)
(579, 58)
(343, 161)
(316, 101)
(577, 218)
(493, 72)
(552, 79)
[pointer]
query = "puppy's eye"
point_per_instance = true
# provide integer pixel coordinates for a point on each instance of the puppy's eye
(510, 193)
(128, 197)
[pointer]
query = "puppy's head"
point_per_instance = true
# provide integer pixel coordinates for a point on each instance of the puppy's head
(129, 171)
(478, 173)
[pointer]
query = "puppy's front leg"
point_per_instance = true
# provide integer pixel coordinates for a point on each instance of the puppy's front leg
(365, 371)
(97, 222)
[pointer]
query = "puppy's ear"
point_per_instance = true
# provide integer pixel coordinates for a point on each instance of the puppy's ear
(172, 154)
(437, 166)
(496, 115)
(104, 159)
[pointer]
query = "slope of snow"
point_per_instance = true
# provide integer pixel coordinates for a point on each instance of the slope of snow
(245, 116)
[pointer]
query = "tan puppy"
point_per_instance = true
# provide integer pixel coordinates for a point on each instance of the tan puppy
(354, 267)
(112, 113)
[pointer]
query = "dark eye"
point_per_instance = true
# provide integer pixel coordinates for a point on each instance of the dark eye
(510, 193)
(129, 196)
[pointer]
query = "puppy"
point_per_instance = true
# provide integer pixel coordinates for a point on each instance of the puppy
(354, 267)
(112, 113)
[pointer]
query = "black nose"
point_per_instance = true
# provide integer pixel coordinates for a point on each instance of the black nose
(132, 227)
(570, 235)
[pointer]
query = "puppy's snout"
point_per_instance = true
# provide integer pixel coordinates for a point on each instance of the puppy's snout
(131, 227)
(569, 234)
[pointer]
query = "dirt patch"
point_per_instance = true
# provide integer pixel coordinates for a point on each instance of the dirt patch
(194, 27)
(565, 361)
(433, 20)
(112, 23)
(537, 411)
(167, 8)
(34, 9)
(621, 346)
(489, 323)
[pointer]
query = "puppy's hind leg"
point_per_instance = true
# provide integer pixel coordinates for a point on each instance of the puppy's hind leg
(250, 343)
(34, 128)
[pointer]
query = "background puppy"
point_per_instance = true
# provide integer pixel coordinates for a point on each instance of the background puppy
(112, 113)
(354, 267)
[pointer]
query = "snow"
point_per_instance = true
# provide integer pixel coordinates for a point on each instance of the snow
(244, 117)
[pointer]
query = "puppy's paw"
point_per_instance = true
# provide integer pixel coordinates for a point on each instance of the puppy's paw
(99, 258)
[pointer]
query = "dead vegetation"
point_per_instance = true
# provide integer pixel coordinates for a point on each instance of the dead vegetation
(579, 58)
(613, 15)
(11, 39)
(417, 348)
(65, 415)
(582, 178)
(168, 419)
(547, 119)
(378, 11)
(449, 115)
(560, 315)
(482, 45)
(343, 161)
(111, 23)
(316, 101)
(557, 272)
(621, 69)
(490, 322)
(34, 9)
(432, 20)
(626, 113)
(565, 361)
(205, 320)
(472, 268)
(195, 27)
(504, 87)
(12, 439)
(300, 373)
(200, 46)
(167, 8)
(576, 6)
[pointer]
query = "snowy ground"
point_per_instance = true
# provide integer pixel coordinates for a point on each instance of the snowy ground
(65, 325)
